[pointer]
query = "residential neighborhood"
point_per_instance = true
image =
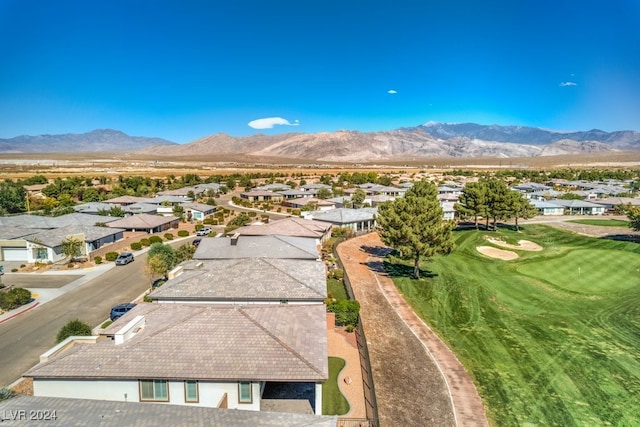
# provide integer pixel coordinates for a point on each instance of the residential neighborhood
(243, 324)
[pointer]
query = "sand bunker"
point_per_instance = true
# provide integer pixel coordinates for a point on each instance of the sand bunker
(492, 252)
(523, 245)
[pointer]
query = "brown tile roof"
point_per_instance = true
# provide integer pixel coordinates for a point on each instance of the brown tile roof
(141, 221)
(292, 226)
(205, 342)
(247, 279)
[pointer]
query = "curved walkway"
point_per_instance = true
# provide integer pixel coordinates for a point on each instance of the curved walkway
(410, 388)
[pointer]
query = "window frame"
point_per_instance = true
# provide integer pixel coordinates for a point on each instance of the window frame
(240, 399)
(153, 383)
(186, 391)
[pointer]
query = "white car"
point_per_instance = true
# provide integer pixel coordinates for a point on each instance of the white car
(204, 231)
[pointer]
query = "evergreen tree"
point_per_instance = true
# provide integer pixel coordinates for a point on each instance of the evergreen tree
(473, 201)
(413, 225)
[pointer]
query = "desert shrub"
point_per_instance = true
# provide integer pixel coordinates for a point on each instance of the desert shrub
(295, 212)
(207, 220)
(14, 270)
(147, 298)
(14, 298)
(253, 214)
(73, 327)
(145, 242)
(155, 239)
(213, 222)
(337, 273)
(98, 260)
(136, 246)
(6, 393)
(22, 266)
(111, 256)
(279, 210)
(183, 233)
(168, 236)
(70, 265)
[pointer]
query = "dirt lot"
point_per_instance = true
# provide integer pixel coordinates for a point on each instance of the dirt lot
(409, 384)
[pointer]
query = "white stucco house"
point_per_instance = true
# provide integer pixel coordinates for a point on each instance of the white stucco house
(217, 356)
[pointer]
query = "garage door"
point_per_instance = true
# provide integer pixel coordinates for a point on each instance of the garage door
(14, 254)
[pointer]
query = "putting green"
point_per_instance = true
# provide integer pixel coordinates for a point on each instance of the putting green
(588, 271)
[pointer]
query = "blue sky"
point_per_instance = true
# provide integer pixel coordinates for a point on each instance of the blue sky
(182, 70)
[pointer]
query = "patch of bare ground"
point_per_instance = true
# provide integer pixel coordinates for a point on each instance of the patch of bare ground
(409, 362)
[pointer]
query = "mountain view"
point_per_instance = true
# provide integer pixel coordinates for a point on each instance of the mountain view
(94, 141)
(428, 140)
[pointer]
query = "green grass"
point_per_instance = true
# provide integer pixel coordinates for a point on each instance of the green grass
(552, 338)
(333, 401)
(336, 288)
(602, 222)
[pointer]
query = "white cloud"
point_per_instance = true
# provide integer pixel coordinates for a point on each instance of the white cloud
(270, 122)
(565, 84)
(392, 91)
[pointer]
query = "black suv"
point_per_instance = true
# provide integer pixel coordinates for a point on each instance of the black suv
(119, 310)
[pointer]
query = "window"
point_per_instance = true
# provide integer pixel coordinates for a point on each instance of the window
(244, 392)
(191, 391)
(154, 390)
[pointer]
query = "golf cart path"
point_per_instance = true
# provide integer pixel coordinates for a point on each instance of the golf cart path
(416, 376)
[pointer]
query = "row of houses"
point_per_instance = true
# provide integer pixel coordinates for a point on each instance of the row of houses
(240, 326)
(39, 239)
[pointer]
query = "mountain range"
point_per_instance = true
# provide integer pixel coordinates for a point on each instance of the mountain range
(94, 141)
(429, 140)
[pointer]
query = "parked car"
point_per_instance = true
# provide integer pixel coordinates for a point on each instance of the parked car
(158, 282)
(204, 231)
(119, 310)
(124, 258)
(196, 242)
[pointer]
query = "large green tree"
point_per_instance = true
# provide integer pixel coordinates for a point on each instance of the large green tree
(161, 259)
(499, 201)
(13, 197)
(413, 225)
(473, 202)
(633, 213)
(520, 207)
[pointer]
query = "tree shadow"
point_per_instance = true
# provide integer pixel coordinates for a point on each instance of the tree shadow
(379, 251)
(623, 237)
(402, 270)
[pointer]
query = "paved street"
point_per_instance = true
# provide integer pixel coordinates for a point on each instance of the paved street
(25, 337)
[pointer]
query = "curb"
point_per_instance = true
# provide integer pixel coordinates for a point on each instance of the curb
(12, 315)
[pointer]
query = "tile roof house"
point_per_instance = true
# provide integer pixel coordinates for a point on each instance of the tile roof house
(291, 226)
(198, 211)
(301, 202)
(360, 220)
(579, 207)
(45, 246)
(146, 222)
(261, 196)
(126, 200)
(246, 281)
(271, 246)
(85, 412)
(183, 354)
